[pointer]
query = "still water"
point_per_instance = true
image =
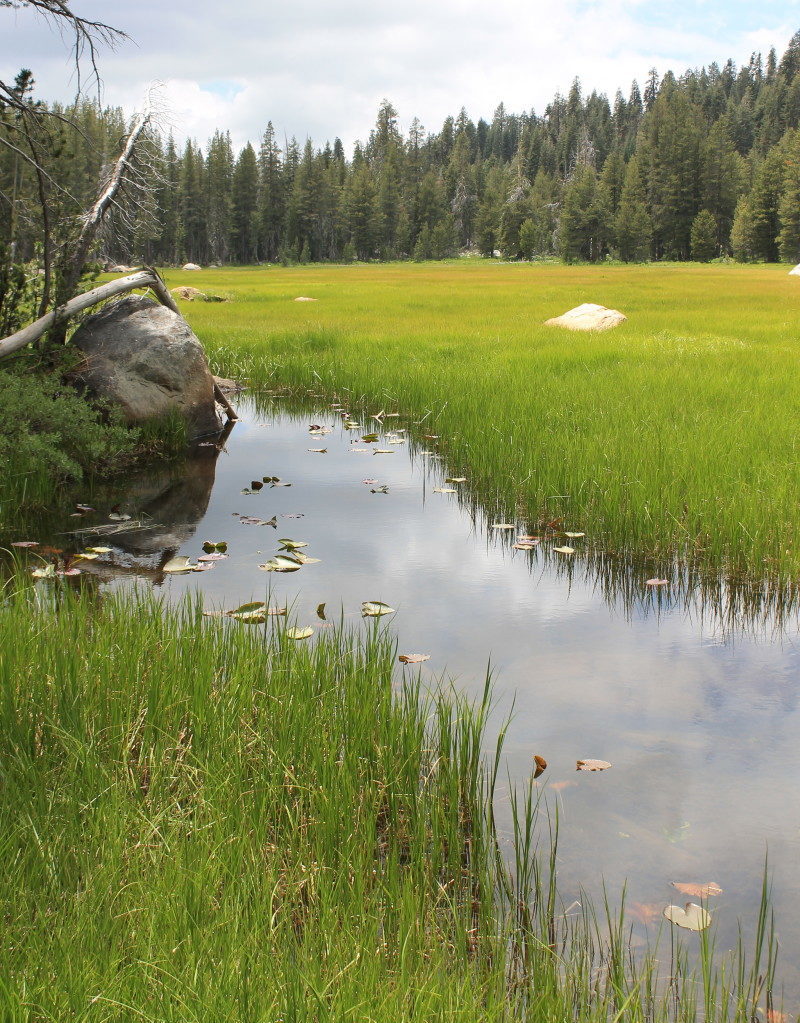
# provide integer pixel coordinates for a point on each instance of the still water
(697, 712)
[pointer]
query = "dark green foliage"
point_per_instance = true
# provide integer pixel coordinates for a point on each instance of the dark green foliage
(701, 141)
(50, 435)
(704, 237)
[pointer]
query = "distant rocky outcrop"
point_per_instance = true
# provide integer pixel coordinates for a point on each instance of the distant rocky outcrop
(145, 360)
(188, 294)
(588, 317)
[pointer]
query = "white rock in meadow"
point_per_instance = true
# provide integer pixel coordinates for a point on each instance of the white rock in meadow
(795, 272)
(303, 298)
(191, 266)
(588, 317)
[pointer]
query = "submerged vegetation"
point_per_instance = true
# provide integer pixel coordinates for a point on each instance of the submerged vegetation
(204, 819)
(672, 436)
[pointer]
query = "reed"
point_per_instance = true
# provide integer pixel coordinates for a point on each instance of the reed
(673, 435)
(204, 820)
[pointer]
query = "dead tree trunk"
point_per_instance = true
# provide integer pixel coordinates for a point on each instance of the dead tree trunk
(147, 277)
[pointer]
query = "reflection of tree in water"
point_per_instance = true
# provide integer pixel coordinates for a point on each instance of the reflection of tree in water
(722, 603)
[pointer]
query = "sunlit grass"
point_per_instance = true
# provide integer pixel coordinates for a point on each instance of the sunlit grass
(202, 820)
(674, 433)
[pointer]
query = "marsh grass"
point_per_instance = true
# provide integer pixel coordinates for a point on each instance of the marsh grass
(201, 820)
(674, 435)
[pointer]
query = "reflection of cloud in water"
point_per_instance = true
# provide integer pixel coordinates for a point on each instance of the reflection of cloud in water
(701, 730)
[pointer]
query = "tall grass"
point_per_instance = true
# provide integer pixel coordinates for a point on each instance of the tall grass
(201, 820)
(674, 434)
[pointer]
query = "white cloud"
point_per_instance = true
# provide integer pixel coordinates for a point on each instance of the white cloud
(319, 69)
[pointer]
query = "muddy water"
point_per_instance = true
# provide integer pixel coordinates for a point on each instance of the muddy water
(701, 722)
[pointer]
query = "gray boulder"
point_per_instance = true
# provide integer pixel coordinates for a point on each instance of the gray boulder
(145, 360)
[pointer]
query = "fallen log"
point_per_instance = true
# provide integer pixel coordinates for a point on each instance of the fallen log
(147, 277)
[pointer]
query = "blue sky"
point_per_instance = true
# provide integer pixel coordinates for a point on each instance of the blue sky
(319, 68)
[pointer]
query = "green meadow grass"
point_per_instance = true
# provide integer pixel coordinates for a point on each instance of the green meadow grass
(675, 434)
(205, 821)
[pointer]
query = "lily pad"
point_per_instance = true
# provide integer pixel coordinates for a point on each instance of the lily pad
(456, 479)
(304, 559)
(292, 545)
(299, 633)
(657, 582)
(215, 556)
(503, 525)
(592, 765)
(698, 891)
(413, 658)
(178, 565)
(692, 917)
(375, 609)
(564, 550)
(281, 563)
(574, 536)
(100, 550)
(444, 490)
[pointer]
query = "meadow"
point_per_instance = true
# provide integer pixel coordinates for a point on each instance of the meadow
(206, 820)
(672, 436)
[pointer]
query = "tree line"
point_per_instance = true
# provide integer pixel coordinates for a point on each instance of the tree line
(699, 166)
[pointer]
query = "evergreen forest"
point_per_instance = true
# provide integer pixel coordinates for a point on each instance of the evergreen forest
(700, 166)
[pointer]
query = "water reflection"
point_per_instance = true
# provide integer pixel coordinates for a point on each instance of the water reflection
(692, 692)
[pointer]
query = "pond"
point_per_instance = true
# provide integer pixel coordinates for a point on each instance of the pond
(693, 700)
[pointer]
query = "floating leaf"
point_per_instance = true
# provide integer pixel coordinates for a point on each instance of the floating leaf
(375, 608)
(256, 484)
(214, 556)
(177, 565)
(370, 483)
(370, 438)
(299, 633)
(84, 508)
(291, 545)
(25, 543)
(529, 539)
(318, 451)
(359, 451)
(503, 525)
(574, 536)
(693, 917)
(321, 612)
(525, 546)
(444, 490)
(698, 891)
(383, 451)
(281, 563)
(380, 490)
(395, 440)
(280, 483)
(201, 567)
(209, 546)
(87, 556)
(69, 571)
(593, 765)
(456, 479)
(413, 658)
(657, 582)
(541, 765)
(100, 550)
(304, 559)
(271, 479)
(48, 572)
(564, 550)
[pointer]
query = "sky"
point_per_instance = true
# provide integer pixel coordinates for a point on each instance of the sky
(319, 68)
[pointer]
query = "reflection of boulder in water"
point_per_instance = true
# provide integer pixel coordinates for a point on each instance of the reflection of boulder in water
(174, 499)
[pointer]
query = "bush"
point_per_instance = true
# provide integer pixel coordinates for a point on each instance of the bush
(50, 436)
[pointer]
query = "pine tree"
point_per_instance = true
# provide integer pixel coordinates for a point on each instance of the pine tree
(633, 228)
(704, 237)
(245, 207)
(272, 196)
(789, 206)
